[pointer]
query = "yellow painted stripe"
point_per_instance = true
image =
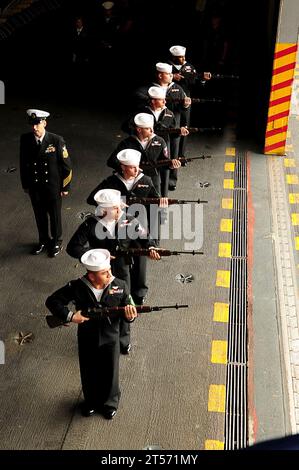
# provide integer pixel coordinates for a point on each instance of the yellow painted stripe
(282, 77)
(226, 225)
(279, 108)
(216, 400)
(228, 184)
(277, 151)
(223, 278)
(280, 93)
(221, 312)
(281, 46)
(276, 138)
(284, 60)
(231, 151)
(225, 250)
(227, 203)
(219, 352)
(211, 444)
(295, 218)
(278, 123)
(289, 134)
(292, 179)
(294, 198)
(289, 162)
(296, 243)
(229, 167)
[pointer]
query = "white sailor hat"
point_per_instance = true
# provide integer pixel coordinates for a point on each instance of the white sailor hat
(36, 115)
(163, 67)
(157, 92)
(129, 157)
(178, 51)
(96, 260)
(144, 120)
(108, 5)
(108, 197)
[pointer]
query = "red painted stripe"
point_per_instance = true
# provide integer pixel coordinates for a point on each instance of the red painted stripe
(284, 68)
(280, 130)
(283, 99)
(288, 50)
(278, 116)
(285, 84)
(268, 148)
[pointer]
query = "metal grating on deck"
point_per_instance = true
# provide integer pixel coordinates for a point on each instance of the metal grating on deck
(236, 391)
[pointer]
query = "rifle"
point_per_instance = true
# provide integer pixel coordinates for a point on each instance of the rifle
(161, 251)
(156, 200)
(225, 76)
(192, 130)
(168, 161)
(100, 312)
(196, 100)
(217, 76)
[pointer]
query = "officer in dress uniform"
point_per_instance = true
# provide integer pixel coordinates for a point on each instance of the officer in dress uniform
(111, 229)
(185, 75)
(46, 174)
(98, 338)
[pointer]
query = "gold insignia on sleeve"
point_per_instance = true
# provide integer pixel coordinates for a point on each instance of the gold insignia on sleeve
(67, 180)
(65, 153)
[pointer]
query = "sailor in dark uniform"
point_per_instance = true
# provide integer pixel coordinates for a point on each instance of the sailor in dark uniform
(152, 147)
(176, 100)
(185, 75)
(46, 174)
(98, 338)
(111, 228)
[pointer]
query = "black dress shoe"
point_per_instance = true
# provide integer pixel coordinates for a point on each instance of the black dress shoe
(39, 249)
(125, 349)
(138, 300)
(172, 187)
(55, 250)
(108, 412)
(87, 410)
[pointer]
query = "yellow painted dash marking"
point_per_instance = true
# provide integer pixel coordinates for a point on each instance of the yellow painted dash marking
(226, 225)
(294, 198)
(288, 134)
(289, 162)
(225, 250)
(223, 278)
(230, 151)
(227, 203)
(295, 218)
(211, 444)
(292, 179)
(221, 312)
(219, 352)
(229, 166)
(216, 400)
(228, 184)
(297, 243)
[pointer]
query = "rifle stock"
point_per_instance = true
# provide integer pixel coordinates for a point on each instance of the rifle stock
(99, 312)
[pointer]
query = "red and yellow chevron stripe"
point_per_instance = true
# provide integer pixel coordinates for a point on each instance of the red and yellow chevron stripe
(280, 98)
